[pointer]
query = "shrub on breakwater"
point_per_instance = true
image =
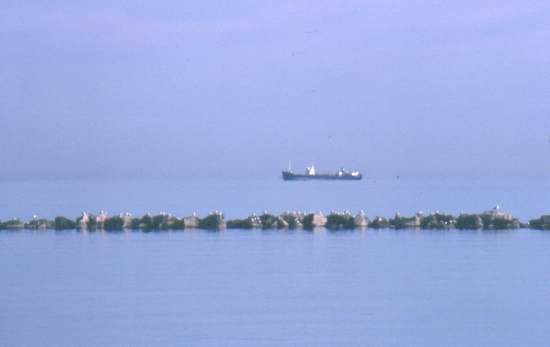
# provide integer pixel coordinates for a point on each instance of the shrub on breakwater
(337, 220)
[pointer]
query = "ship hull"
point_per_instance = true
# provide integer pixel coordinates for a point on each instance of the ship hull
(290, 176)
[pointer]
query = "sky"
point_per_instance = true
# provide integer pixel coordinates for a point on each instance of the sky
(171, 88)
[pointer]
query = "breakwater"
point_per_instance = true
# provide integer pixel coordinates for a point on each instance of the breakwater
(493, 219)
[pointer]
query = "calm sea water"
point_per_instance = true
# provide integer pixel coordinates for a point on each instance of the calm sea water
(256, 288)
(268, 288)
(525, 198)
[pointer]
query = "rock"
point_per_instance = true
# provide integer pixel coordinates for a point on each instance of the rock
(361, 220)
(314, 220)
(269, 221)
(127, 220)
(319, 220)
(90, 222)
(282, 223)
(84, 221)
(293, 219)
(191, 222)
(100, 220)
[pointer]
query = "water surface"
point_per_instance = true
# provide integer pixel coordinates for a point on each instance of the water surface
(268, 288)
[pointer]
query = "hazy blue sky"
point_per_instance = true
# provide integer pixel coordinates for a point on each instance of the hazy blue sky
(176, 88)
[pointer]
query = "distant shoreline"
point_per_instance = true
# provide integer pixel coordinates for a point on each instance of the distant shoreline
(493, 219)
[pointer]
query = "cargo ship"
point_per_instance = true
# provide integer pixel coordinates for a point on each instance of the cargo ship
(311, 174)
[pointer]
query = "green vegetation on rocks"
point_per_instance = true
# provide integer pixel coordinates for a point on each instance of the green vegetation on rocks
(499, 223)
(213, 221)
(146, 222)
(379, 223)
(62, 223)
(503, 224)
(399, 222)
(113, 223)
(159, 222)
(438, 221)
(177, 224)
(135, 223)
(307, 221)
(13, 224)
(542, 223)
(39, 223)
(340, 221)
(239, 224)
(469, 222)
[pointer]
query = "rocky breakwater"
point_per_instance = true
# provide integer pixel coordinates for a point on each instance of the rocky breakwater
(494, 219)
(124, 221)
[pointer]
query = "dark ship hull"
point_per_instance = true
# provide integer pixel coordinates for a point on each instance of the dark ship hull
(290, 176)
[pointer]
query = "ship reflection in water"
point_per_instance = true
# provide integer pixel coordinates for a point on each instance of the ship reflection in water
(311, 174)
